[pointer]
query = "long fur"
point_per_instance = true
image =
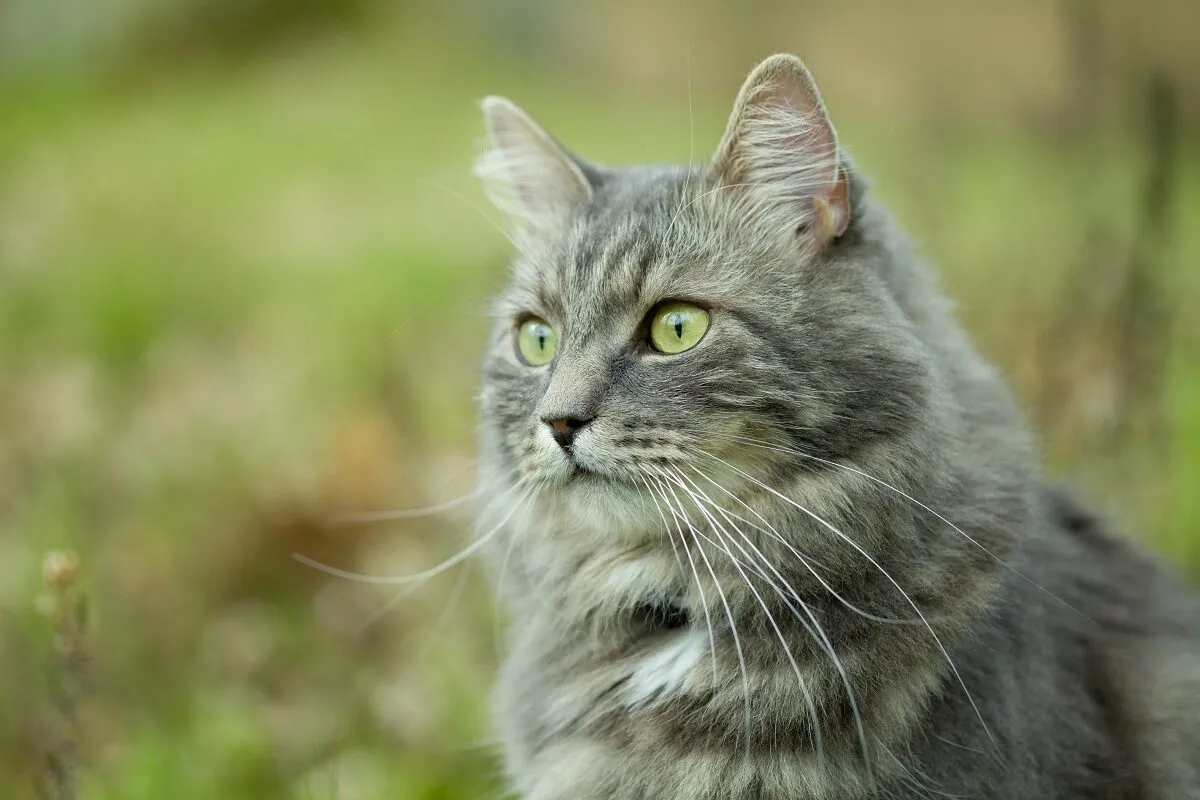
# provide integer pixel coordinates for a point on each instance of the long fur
(812, 556)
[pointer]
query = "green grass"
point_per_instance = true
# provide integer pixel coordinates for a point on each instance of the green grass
(236, 298)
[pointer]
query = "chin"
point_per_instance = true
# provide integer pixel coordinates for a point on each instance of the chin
(611, 508)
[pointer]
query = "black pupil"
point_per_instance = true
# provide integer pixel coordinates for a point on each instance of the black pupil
(677, 321)
(541, 333)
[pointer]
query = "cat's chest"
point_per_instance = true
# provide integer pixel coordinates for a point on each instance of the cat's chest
(665, 667)
(614, 633)
(626, 667)
(608, 597)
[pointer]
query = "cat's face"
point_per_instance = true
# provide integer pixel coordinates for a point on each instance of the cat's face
(688, 329)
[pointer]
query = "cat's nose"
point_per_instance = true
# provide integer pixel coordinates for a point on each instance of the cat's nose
(563, 429)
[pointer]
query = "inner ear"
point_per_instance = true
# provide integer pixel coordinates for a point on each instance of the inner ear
(528, 175)
(833, 212)
(780, 150)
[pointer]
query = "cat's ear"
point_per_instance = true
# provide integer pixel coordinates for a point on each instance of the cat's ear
(527, 174)
(780, 152)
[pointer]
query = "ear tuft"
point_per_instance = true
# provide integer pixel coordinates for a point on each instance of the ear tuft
(527, 174)
(780, 152)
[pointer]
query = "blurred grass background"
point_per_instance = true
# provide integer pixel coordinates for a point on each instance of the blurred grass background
(243, 274)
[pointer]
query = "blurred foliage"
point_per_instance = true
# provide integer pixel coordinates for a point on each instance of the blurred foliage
(243, 284)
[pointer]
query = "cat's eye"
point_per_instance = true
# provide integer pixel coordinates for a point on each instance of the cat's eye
(536, 342)
(677, 326)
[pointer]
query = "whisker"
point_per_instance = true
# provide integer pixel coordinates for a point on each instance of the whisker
(911, 776)
(456, 594)
(511, 240)
(737, 643)
(805, 562)
(937, 640)
(698, 198)
(666, 527)
(387, 515)
(712, 642)
(687, 184)
(393, 580)
(691, 114)
(388, 606)
(819, 633)
(512, 540)
(402, 595)
(808, 698)
(780, 448)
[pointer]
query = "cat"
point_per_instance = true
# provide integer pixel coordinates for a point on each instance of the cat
(766, 524)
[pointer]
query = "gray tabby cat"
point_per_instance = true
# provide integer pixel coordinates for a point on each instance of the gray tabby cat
(767, 525)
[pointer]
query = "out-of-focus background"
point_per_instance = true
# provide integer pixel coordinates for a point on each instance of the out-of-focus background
(244, 271)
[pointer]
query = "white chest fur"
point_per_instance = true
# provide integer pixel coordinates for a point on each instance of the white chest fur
(666, 669)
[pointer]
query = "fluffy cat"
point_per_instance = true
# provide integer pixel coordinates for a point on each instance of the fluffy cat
(767, 525)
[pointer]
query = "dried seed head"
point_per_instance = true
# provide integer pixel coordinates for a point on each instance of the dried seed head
(59, 570)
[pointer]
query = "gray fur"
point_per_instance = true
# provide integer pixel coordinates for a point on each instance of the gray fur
(834, 374)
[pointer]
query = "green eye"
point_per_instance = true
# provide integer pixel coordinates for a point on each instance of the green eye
(677, 327)
(536, 342)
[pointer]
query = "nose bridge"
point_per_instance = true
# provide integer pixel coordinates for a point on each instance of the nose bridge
(577, 385)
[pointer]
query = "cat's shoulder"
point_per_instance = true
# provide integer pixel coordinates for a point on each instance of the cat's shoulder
(1104, 585)
(1134, 623)
(1075, 536)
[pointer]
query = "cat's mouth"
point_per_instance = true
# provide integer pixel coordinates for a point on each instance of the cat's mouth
(566, 468)
(577, 466)
(579, 472)
(584, 468)
(580, 465)
(584, 472)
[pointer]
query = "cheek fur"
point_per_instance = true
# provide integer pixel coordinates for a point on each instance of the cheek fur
(511, 394)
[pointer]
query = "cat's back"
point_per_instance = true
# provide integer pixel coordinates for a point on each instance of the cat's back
(1136, 628)
(1118, 592)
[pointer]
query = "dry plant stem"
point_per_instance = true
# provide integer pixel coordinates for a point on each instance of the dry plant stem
(63, 602)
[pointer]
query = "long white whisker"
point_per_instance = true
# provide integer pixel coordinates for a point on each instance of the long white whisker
(460, 583)
(407, 591)
(804, 561)
(691, 114)
(666, 526)
(386, 515)
(737, 643)
(937, 640)
(687, 184)
(911, 499)
(696, 199)
(808, 698)
(814, 629)
(508, 551)
(395, 580)
(512, 241)
(712, 642)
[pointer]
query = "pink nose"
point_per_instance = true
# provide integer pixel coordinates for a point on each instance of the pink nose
(564, 429)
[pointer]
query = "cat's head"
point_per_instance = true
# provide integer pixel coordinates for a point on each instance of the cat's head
(720, 329)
